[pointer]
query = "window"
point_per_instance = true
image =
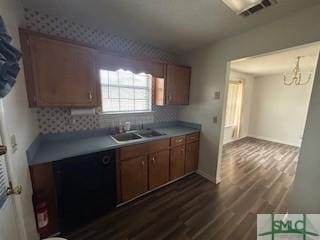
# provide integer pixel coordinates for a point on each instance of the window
(124, 91)
(234, 106)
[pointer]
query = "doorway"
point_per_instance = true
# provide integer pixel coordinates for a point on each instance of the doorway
(264, 121)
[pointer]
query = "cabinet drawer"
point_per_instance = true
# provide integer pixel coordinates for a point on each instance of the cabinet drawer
(133, 151)
(192, 137)
(158, 146)
(176, 141)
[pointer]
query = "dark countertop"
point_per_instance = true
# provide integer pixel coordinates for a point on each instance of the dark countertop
(53, 147)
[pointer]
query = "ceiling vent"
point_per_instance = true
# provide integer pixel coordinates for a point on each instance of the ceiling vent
(264, 4)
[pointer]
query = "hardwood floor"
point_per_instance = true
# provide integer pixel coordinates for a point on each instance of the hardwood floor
(256, 178)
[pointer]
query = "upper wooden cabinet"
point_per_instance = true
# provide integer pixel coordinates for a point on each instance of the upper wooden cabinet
(174, 88)
(59, 74)
(62, 73)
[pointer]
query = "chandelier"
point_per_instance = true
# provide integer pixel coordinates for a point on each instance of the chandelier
(297, 75)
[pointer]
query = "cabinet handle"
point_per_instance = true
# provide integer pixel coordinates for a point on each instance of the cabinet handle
(169, 98)
(153, 160)
(90, 96)
(142, 164)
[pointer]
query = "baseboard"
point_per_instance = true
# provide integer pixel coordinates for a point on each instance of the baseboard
(274, 140)
(208, 177)
(233, 140)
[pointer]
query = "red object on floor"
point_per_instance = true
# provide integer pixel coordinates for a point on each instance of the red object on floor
(42, 215)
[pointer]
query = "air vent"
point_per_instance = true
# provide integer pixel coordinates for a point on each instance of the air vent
(264, 4)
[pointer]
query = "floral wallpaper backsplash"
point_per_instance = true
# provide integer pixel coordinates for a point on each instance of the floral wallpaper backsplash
(54, 120)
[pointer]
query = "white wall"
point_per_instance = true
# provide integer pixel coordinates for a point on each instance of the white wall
(245, 121)
(279, 112)
(20, 121)
(305, 196)
(209, 67)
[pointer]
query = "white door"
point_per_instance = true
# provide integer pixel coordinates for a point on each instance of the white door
(8, 226)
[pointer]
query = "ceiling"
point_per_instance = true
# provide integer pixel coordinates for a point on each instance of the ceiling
(174, 25)
(278, 63)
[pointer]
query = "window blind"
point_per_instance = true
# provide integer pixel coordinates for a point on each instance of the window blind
(3, 185)
(124, 91)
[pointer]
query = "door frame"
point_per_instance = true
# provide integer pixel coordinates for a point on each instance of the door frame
(225, 96)
(16, 202)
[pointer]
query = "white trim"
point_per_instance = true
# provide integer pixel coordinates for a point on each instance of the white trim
(274, 140)
(233, 140)
(124, 113)
(209, 177)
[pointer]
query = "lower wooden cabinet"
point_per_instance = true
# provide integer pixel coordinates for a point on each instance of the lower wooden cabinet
(158, 169)
(177, 161)
(134, 177)
(144, 167)
(43, 184)
(192, 152)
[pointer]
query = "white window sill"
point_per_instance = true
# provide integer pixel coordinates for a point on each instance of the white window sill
(124, 113)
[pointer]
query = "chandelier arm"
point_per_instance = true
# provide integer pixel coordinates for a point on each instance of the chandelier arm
(308, 80)
(297, 75)
(286, 82)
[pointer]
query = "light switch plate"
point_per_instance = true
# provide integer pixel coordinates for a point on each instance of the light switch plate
(215, 119)
(13, 142)
(217, 95)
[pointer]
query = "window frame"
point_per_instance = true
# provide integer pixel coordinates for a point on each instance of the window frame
(148, 88)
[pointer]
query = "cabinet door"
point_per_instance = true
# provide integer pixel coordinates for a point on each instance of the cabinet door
(63, 74)
(192, 152)
(43, 182)
(177, 162)
(178, 84)
(134, 177)
(158, 169)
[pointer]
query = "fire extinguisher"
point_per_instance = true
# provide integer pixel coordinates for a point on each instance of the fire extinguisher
(42, 214)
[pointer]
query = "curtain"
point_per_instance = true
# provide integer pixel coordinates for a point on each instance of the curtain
(9, 61)
(234, 107)
(115, 63)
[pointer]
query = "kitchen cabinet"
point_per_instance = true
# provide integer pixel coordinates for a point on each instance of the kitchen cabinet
(139, 168)
(174, 88)
(64, 73)
(58, 73)
(158, 169)
(192, 152)
(134, 177)
(43, 184)
(143, 167)
(177, 161)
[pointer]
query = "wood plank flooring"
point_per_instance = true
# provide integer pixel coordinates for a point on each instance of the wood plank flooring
(256, 178)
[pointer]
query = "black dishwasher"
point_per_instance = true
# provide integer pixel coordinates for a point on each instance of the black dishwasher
(86, 188)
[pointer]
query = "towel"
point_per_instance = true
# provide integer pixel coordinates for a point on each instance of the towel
(9, 61)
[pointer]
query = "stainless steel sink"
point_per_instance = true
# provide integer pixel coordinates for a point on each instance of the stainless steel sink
(124, 137)
(149, 133)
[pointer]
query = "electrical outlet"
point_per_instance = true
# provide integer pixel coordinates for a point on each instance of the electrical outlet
(13, 142)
